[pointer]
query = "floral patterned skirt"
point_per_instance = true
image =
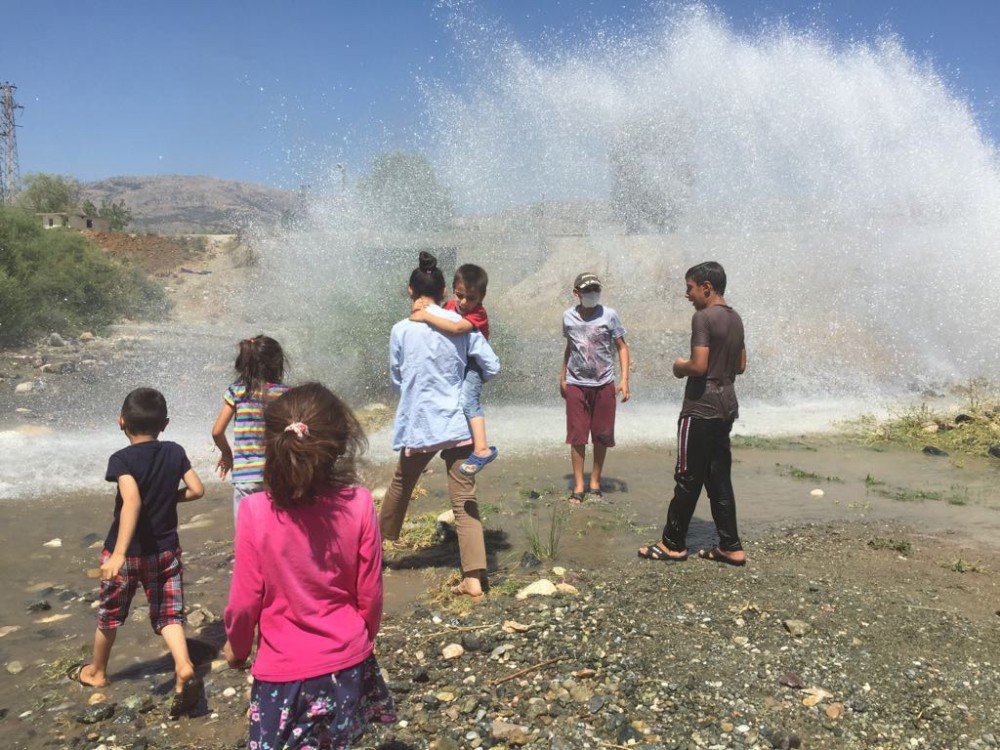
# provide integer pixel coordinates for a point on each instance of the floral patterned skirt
(322, 713)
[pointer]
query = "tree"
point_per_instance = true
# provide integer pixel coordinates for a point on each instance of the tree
(402, 192)
(89, 209)
(48, 193)
(117, 213)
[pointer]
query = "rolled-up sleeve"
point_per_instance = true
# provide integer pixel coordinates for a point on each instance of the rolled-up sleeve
(481, 351)
(246, 592)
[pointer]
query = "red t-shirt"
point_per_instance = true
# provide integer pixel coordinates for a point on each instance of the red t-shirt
(477, 316)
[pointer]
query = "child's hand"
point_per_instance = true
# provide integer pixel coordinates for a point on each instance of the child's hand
(224, 466)
(419, 304)
(679, 363)
(623, 389)
(111, 567)
(418, 316)
(230, 657)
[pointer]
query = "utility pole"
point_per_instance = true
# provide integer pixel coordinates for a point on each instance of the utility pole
(9, 168)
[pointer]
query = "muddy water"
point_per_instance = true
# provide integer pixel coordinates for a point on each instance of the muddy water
(773, 487)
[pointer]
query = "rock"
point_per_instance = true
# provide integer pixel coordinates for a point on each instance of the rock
(817, 492)
(38, 605)
(994, 450)
(445, 533)
(512, 734)
(8, 629)
(541, 587)
(15, 667)
(452, 651)
(964, 418)
(229, 692)
(513, 626)
(445, 696)
(201, 617)
(139, 702)
(785, 741)
(558, 570)
(815, 696)
(421, 675)
(447, 517)
(931, 450)
(25, 387)
(595, 704)
(930, 428)
(797, 628)
(86, 336)
(95, 714)
(97, 698)
(53, 618)
(580, 693)
(565, 588)
(835, 711)
(56, 340)
(471, 643)
(530, 560)
(53, 543)
(792, 680)
(90, 539)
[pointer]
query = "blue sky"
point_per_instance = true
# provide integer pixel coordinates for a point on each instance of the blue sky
(274, 92)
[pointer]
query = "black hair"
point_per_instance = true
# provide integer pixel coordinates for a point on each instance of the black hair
(711, 272)
(427, 279)
(261, 360)
(144, 412)
(473, 278)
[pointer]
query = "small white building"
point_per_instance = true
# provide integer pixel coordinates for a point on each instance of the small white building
(74, 220)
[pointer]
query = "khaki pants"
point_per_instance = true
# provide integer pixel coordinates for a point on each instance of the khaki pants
(461, 490)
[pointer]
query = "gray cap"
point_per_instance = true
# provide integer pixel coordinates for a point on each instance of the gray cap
(587, 280)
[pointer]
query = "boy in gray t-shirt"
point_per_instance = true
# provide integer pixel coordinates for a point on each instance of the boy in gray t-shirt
(587, 382)
(704, 459)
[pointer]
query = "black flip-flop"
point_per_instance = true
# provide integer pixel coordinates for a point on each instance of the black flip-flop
(717, 555)
(596, 494)
(188, 698)
(75, 670)
(575, 498)
(653, 552)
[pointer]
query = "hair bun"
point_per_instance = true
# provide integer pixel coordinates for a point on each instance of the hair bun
(427, 262)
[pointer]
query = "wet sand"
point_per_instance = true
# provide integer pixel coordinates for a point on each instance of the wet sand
(866, 494)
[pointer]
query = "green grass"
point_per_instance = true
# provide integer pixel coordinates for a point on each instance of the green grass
(921, 425)
(902, 546)
(759, 442)
(871, 481)
(807, 476)
(544, 542)
(907, 495)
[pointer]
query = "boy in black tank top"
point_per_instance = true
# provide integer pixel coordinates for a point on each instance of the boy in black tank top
(704, 459)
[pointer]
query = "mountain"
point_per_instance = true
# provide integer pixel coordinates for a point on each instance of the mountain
(182, 204)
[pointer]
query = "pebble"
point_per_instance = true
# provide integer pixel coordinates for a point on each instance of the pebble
(25, 387)
(86, 336)
(96, 714)
(565, 588)
(38, 605)
(53, 543)
(797, 628)
(56, 340)
(8, 629)
(817, 492)
(229, 692)
(452, 651)
(15, 667)
(97, 698)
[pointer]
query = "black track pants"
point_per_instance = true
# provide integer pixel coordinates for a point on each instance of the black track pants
(704, 459)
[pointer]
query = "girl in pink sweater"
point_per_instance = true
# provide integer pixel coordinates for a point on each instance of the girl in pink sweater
(308, 578)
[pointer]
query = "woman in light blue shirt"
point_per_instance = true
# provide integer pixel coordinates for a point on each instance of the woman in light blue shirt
(426, 368)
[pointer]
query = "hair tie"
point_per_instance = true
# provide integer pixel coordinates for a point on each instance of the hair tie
(301, 429)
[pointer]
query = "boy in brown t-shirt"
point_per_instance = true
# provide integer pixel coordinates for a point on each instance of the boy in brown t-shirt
(704, 459)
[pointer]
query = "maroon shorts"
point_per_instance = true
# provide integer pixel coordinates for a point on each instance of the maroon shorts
(161, 576)
(590, 411)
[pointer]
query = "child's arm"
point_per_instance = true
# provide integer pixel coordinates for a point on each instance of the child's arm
(562, 373)
(127, 521)
(225, 464)
(246, 592)
(193, 489)
(369, 585)
(452, 327)
(623, 356)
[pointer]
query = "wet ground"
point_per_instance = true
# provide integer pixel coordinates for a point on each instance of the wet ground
(891, 528)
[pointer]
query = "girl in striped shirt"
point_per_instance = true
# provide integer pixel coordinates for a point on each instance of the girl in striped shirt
(260, 369)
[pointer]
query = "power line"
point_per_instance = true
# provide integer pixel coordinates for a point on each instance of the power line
(9, 167)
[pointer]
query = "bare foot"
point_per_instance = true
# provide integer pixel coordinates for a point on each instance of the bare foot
(89, 676)
(469, 586)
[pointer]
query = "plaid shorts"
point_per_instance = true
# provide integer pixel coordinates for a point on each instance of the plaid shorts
(161, 576)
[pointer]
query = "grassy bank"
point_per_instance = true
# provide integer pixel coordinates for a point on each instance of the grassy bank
(57, 280)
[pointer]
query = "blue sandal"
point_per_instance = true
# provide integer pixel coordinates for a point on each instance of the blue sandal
(474, 464)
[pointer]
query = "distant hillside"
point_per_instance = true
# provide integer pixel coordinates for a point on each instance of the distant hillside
(176, 204)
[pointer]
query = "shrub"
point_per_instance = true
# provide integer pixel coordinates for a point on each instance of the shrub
(56, 280)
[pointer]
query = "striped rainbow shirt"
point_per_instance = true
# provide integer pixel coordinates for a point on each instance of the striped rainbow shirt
(248, 429)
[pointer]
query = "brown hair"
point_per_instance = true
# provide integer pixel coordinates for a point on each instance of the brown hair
(260, 361)
(473, 278)
(317, 456)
